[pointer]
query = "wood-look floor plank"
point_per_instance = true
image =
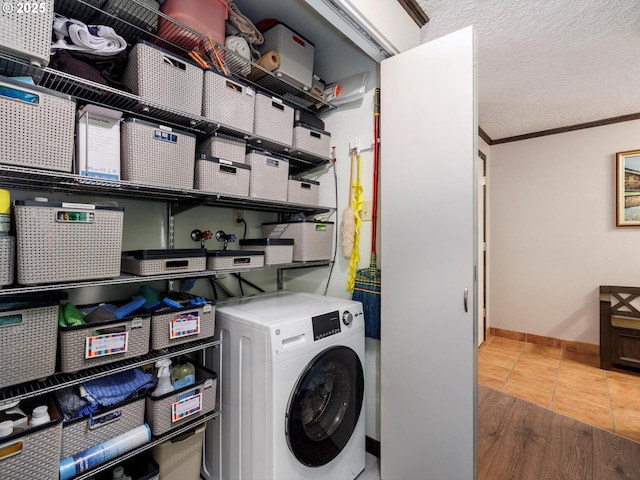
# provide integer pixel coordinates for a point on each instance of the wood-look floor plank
(569, 450)
(614, 457)
(523, 440)
(495, 410)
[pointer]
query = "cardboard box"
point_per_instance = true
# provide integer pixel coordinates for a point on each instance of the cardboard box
(98, 142)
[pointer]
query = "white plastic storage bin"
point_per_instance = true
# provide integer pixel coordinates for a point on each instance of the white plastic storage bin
(37, 129)
(296, 54)
(63, 242)
(107, 423)
(7, 260)
(234, 259)
(312, 140)
(29, 326)
(158, 262)
(224, 146)
(156, 155)
(269, 175)
(276, 250)
(25, 30)
(174, 409)
(93, 344)
(303, 190)
(35, 451)
(164, 78)
(312, 240)
(273, 119)
(181, 457)
(222, 176)
(174, 326)
(228, 101)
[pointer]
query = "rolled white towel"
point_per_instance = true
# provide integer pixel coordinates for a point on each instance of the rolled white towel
(72, 34)
(239, 46)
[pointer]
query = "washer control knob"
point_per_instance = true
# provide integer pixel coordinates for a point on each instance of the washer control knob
(347, 318)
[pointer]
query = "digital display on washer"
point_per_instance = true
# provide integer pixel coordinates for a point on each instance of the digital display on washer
(325, 325)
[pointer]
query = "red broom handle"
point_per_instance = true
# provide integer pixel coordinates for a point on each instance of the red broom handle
(376, 163)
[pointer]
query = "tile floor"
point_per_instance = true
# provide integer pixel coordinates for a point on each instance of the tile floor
(566, 382)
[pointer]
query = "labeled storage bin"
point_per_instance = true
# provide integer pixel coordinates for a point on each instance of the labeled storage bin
(296, 54)
(224, 146)
(181, 457)
(222, 176)
(156, 155)
(176, 408)
(276, 250)
(35, 451)
(174, 326)
(141, 467)
(228, 101)
(7, 260)
(303, 190)
(269, 175)
(273, 119)
(234, 259)
(105, 424)
(36, 127)
(140, 20)
(28, 333)
(164, 78)
(158, 262)
(311, 139)
(312, 240)
(25, 30)
(93, 344)
(62, 242)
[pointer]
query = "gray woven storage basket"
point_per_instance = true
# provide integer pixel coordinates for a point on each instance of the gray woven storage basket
(37, 135)
(276, 250)
(7, 260)
(80, 434)
(269, 175)
(228, 102)
(25, 30)
(73, 342)
(234, 259)
(156, 155)
(157, 262)
(163, 77)
(159, 410)
(302, 190)
(222, 176)
(312, 240)
(312, 140)
(60, 242)
(273, 119)
(28, 336)
(38, 455)
(161, 321)
(223, 146)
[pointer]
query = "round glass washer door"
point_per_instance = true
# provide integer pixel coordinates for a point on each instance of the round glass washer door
(324, 406)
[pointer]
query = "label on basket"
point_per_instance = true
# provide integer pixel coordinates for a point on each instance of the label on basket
(207, 308)
(225, 162)
(184, 325)
(186, 407)
(107, 344)
(321, 228)
(272, 162)
(86, 206)
(68, 216)
(167, 137)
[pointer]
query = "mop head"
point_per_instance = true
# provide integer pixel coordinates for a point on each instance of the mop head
(348, 231)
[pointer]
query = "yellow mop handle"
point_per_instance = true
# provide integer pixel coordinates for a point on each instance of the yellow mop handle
(358, 203)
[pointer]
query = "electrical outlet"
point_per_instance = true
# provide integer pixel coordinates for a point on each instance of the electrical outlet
(237, 217)
(367, 211)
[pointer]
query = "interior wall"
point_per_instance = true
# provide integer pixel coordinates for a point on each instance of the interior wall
(552, 234)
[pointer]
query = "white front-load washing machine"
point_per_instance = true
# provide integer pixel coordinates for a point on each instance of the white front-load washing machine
(292, 388)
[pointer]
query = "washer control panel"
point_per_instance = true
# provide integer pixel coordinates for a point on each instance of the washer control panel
(325, 325)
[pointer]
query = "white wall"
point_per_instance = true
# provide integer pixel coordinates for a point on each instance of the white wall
(552, 234)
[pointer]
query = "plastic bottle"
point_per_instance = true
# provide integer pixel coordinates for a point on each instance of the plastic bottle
(118, 474)
(164, 377)
(184, 374)
(39, 415)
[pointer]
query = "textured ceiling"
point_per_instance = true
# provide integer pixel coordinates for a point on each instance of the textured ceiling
(546, 64)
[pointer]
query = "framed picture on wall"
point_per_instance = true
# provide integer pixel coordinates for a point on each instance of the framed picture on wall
(628, 188)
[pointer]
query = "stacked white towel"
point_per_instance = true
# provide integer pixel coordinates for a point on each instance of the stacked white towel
(239, 46)
(96, 39)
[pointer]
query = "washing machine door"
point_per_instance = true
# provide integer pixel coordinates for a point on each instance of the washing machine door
(324, 406)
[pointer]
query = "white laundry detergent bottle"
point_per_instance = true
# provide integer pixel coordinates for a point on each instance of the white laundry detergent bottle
(164, 377)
